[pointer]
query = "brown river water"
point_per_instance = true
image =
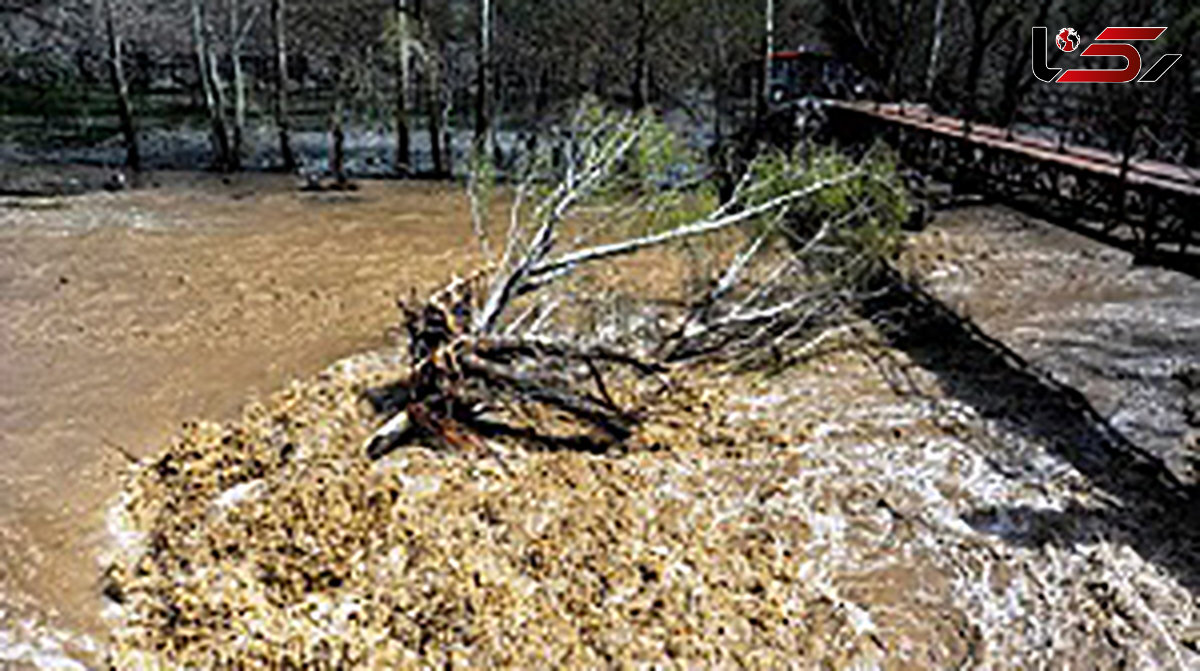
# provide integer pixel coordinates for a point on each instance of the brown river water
(1126, 336)
(126, 314)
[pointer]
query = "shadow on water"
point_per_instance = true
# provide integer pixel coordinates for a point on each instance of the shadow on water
(1150, 510)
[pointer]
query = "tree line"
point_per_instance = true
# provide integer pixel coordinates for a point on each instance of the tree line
(463, 68)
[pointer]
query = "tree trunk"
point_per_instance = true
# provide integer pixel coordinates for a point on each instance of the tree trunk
(768, 48)
(931, 72)
(433, 89)
(403, 150)
(975, 59)
(238, 33)
(213, 99)
(447, 137)
(279, 19)
(433, 108)
(484, 133)
(239, 108)
(337, 163)
(231, 160)
(717, 69)
(133, 159)
(641, 65)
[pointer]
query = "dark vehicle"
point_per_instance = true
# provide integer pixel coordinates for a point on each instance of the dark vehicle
(807, 72)
(798, 84)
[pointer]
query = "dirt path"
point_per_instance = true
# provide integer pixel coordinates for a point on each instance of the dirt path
(126, 314)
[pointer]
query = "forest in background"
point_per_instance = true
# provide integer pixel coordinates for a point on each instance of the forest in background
(276, 84)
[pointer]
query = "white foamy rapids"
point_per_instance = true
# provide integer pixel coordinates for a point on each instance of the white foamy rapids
(25, 641)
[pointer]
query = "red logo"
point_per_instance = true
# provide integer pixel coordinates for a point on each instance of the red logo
(1067, 39)
(1119, 39)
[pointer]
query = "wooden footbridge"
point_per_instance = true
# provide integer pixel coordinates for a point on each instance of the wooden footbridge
(1150, 208)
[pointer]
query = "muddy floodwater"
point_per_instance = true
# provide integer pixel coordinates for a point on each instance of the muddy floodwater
(1126, 336)
(125, 314)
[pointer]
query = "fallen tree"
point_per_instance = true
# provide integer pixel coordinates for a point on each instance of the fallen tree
(798, 239)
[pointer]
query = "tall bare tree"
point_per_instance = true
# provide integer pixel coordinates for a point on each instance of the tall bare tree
(239, 31)
(768, 49)
(935, 47)
(282, 120)
(401, 38)
(337, 121)
(641, 58)
(213, 88)
(116, 68)
(432, 69)
(485, 137)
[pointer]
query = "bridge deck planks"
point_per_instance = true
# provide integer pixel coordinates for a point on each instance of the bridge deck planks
(1175, 178)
